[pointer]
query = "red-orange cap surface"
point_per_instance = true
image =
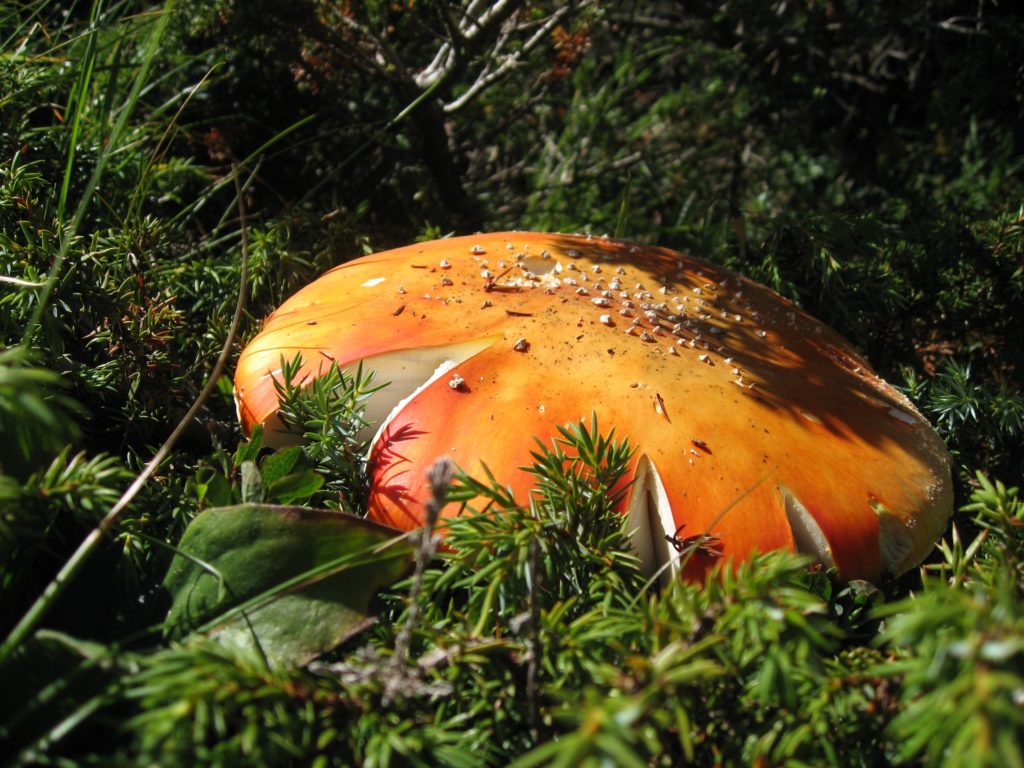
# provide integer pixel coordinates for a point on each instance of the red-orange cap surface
(753, 422)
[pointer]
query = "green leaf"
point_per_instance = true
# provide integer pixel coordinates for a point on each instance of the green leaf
(250, 451)
(212, 488)
(296, 487)
(279, 464)
(294, 582)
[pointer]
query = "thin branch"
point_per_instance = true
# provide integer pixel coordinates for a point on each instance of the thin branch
(469, 20)
(447, 55)
(511, 62)
(955, 24)
(474, 30)
(19, 282)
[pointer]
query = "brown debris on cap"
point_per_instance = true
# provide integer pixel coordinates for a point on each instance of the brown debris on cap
(767, 429)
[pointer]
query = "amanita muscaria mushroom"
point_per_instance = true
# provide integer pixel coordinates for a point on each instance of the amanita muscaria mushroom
(753, 422)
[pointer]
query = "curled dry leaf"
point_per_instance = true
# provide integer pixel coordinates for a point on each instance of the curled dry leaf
(754, 423)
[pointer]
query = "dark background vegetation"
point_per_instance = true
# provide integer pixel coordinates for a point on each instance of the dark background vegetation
(865, 159)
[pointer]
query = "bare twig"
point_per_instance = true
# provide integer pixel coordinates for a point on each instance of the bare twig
(473, 29)
(490, 76)
(959, 24)
(19, 282)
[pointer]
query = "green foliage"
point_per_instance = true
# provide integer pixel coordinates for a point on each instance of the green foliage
(1000, 516)
(987, 421)
(328, 413)
(959, 646)
(35, 416)
(285, 477)
(207, 705)
(45, 517)
(961, 684)
(566, 551)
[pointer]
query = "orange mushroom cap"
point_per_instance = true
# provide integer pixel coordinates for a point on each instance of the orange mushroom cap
(753, 422)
